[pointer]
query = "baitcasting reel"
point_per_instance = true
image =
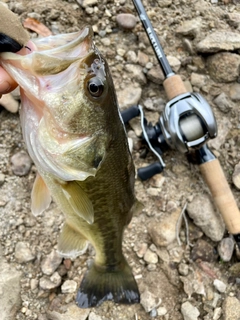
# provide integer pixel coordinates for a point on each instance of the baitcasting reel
(187, 122)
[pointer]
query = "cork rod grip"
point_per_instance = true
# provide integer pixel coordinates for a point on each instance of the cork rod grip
(174, 86)
(222, 195)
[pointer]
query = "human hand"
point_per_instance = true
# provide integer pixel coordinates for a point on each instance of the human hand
(7, 83)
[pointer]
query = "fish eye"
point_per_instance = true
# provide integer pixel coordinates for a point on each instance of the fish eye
(95, 87)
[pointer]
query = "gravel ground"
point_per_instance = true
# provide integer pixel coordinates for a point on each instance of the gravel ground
(193, 276)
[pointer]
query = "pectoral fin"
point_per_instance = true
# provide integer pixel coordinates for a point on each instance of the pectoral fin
(71, 243)
(40, 196)
(79, 200)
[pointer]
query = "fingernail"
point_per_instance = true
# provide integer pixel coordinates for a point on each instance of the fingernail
(4, 87)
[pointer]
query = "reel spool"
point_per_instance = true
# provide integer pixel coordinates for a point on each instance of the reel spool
(188, 122)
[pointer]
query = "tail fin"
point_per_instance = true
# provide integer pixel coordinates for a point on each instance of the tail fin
(98, 286)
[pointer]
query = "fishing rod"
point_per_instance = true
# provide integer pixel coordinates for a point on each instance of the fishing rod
(187, 123)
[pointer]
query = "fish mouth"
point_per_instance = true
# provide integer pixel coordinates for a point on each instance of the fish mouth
(55, 53)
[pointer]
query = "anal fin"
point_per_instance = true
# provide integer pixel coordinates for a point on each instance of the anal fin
(40, 196)
(79, 200)
(71, 243)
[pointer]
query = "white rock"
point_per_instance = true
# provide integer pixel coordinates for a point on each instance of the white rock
(23, 253)
(51, 262)
(161, 311)
(149, 301)
(150, 257)
(10, 299)
(189, 312)
(69, 286)
(205, 216)
(9, 103)
(219, 285)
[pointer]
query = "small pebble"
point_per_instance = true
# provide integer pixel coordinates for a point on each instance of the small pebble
(2, 179)
(126, 21)
(219, 285)
(183, 269)
(21, 163)
(226, 248)
(48, 284)
(236, 176)
(161, 311)
(22, 253)
(150, 257)
(142, 250)
(189, 312)
(69, 286)
(149, 301)
(51, 262)
(94, 316)
(9, 103)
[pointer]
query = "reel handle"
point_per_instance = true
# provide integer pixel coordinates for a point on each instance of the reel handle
(174, 87)
(149, 171)
(214, 177)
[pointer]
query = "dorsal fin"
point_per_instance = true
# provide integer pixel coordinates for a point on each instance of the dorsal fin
(79, 200)
(40, 196)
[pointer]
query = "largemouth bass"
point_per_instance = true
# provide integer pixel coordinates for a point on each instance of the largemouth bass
(74, 134)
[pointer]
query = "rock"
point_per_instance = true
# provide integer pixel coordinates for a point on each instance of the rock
(204, 215)
(224, 125)
(141, 250)
(231, 308)
(223, 103)
(106, 42)
(233, 19)
(156, 75)
(131, 56)
(224, 66)
(143, 58)
(157, 283)
(219, 41)
(198, 80)
(22, 253)
(164, 232)
(136, 73)
(21, 163)
(189, 312)
(234, 92)
(217, 313)
(50, 263)
(9, 103)
(161, 311)
(53, 282)
(69, 286)
(174, 63)
(129, 96)
(72, 313)
(219, 285)
(87, 3)
(164, 3)
(183, 269)
(2, 179)
(204, 251)
(150, 257)
(10, 298)
(236, 176)
(126, 21)
(226, 248)
(149, 301)
(190, 27)
(94, 316)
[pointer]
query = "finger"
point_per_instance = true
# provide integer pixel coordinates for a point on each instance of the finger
(7, 84)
